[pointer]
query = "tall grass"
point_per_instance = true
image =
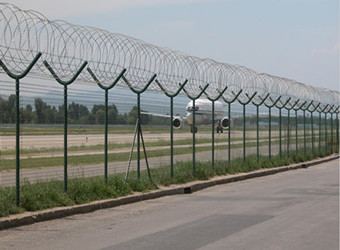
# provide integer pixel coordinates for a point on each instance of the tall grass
(43, 195)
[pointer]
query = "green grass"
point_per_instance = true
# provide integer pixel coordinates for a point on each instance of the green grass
(78, 160)
(112, 146)
(43, 195)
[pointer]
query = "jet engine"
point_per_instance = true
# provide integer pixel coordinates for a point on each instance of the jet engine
(177, 122)
(225, 122)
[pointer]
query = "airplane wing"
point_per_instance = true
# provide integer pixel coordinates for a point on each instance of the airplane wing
(160, 115)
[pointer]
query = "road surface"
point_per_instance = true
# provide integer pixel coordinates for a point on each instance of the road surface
(291, 210)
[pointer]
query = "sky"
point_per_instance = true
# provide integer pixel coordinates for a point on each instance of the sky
(295, 39)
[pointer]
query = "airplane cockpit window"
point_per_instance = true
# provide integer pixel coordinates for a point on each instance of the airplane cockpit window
(190, 108)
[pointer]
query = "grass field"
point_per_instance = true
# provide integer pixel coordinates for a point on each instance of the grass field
(153, 150)
(112, 129)
(50, 194)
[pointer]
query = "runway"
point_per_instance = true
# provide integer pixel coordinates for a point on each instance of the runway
(57, 141)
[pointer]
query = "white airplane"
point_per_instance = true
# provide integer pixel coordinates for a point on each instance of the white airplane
(203, 115)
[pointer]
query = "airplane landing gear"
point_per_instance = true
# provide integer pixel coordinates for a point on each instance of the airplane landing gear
(219, 129)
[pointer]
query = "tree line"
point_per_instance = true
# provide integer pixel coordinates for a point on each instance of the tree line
(77, 114)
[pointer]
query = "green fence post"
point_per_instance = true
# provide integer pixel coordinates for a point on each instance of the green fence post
(326, 143)
(270, 133)
(138, 135)
(257, 135)
(312, 130)
(288, 131)
(229, 133)
(332, 138)
(337, 131)
(193, 129)
(171, 96)
(304, 131)
(296, 126)
(193, 138)
(138, 92)
(213, 134)
(319, 133)
(244, 133)
(270, 124)
(171, 137)
(280, 125)
(65, 84)
(288, 125)
(229, 117)
(312, 126)
(244, 122)
(280, 132)
(296, 132)
(320, 125)
(304, 127)
(106, 88)
(257, 125)
(213, 123)
(17, 120)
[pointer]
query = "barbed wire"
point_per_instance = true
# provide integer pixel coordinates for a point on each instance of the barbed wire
(65, 47)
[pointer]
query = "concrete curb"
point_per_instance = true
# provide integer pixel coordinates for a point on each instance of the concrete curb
(55, 213)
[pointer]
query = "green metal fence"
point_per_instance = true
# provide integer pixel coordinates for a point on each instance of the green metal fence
(140, 67)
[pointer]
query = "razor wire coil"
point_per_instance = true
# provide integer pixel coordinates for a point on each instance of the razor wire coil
(65, 46)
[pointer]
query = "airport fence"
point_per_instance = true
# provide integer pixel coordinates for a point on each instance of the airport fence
(266, 115)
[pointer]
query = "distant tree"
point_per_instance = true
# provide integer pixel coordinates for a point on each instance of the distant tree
(97, 107)
(122, 118)
(112, 113)
(51, 113)
(77, 111)
(3, 111)
(91, 119)
(59, 117)
(40, 110)
(45, 113)
(27, 114)
(132, 117)
(7, 109)
(100, 116)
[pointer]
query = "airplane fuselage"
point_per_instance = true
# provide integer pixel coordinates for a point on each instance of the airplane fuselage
(203, 112)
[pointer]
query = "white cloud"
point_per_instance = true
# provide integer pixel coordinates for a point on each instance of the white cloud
(67, 8)
(330, 51)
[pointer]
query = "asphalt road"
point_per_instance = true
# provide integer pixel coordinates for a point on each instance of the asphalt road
(291, 210)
